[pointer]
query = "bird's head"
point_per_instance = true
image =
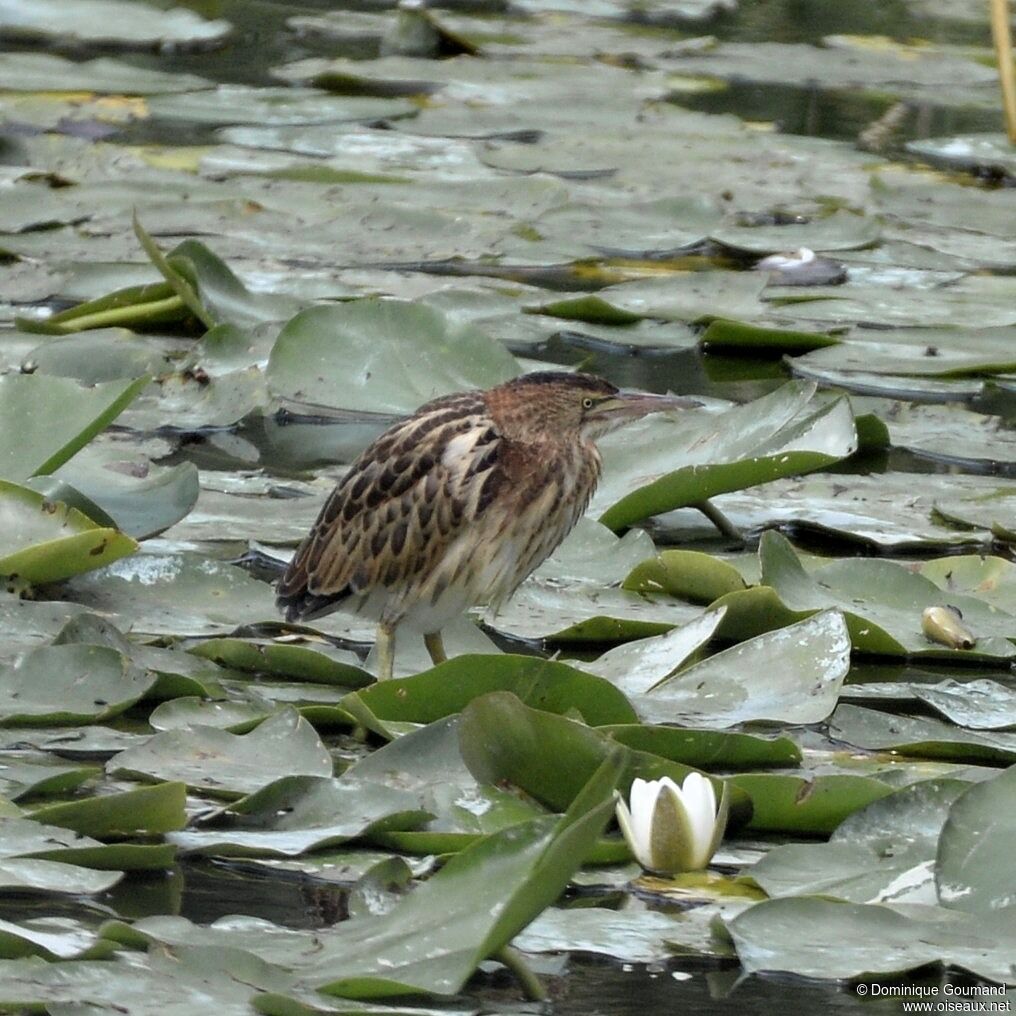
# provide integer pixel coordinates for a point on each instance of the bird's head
(556, 405)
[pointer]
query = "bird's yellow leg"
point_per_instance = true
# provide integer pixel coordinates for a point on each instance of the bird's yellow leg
(435, 646)
(385, 651)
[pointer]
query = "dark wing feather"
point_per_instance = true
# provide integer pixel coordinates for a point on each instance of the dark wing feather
(396, 511)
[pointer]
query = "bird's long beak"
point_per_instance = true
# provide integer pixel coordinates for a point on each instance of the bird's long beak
(633, 405)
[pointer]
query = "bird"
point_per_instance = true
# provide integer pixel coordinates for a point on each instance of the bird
(456, 505)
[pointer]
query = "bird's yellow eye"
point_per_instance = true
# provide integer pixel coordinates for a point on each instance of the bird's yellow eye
(587, 403)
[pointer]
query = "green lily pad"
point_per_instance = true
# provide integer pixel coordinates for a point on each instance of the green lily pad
(479, 913)
(636, 667)
(105, 354)
(973, 868)
(191, 711)
(235, 104)
(28, 838)
(51, 938)
(894, 512)
(881, 601)
(44, 420)
(548, 756)
(981, 704)
(174, 982)
(725, 334)
(37, 72)
(699, 296)
(185, 594)
(229, 765)
(814, 806)
(626, 936)
(661, 464)
(923, 352)
(591, 553)
(141, 499)
(920, 737)
(47, 541)
(315, 661)
(42, 776)
(882, 853)
(820, 938)
(707, 749)
(585, 612)
(108, 22)
(157, 809)
(543, 684)
(354, 356)
(792, 675)
(70, 684)
(687, 574)
(177, 673)
(21, 874)
(428, 762)
(842, 230)
(296, 814)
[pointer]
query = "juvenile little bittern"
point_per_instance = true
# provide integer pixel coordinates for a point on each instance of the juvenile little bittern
(458, 504)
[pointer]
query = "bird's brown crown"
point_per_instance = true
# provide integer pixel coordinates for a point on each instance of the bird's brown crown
(547, 404)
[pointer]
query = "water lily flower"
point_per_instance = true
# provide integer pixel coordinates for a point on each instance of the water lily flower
(671, 828)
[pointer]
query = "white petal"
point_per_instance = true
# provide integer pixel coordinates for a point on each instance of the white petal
(643, 796)
(699, 800)
(624, 820)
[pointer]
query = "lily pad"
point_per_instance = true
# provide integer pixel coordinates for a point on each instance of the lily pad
(229, 765)
(662, 464)
(296, 814)
(973, 869)
(157, 809)
(792, 675)
(48, 541)
(22, 777)
(920, 737)
(480, 914)
(105, 22)
(882, 853)
(354, 356)
(814, 937)
(636, 667)
(548, 756)
(70, 684)
(543, 684)
(428, 762)
(37, 72)
(186, 594)
(700, 296)
(881, 601)
(45, 420)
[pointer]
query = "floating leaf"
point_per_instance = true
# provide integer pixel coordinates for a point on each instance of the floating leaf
(44, 541)
(974, 869)
(354, 356)
(792, 675)
(882, 602)
(661, 464)
(155, 809)
(70, 684)
(300, 813)
(543, 684)
(44, 420)
(229, 765)
(485, 896)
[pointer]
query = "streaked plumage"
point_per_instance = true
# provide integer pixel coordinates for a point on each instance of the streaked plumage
(457, 504)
